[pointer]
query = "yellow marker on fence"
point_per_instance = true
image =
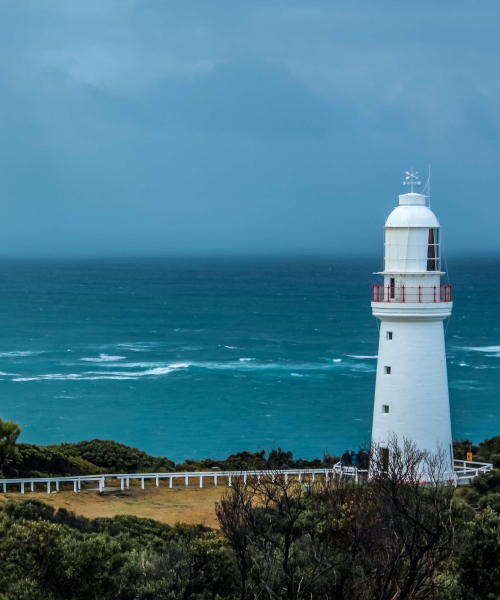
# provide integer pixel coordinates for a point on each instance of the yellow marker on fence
(468, 456)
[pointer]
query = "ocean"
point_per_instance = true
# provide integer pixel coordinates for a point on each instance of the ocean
(196, 358)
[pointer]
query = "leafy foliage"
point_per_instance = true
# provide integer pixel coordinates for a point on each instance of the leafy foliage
(256, 461)
(30, 460)
(55, 554)
(9, 432)
(113, 457)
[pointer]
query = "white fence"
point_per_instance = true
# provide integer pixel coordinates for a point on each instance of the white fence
(464, 472)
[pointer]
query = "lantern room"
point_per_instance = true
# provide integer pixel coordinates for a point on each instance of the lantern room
(412, 253)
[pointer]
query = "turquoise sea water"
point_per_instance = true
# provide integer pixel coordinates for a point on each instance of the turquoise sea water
(197, 358)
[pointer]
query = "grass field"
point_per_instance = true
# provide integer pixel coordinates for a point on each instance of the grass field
(176, 505)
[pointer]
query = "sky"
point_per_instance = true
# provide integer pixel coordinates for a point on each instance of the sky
(158, 127)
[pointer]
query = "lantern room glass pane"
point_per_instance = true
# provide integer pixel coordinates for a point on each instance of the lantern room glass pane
(433, 250)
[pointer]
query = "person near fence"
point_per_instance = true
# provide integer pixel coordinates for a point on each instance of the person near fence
(346, 459)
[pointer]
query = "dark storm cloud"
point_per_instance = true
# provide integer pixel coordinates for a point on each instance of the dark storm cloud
(153, 127)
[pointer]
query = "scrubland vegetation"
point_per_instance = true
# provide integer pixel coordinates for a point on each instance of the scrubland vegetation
(387, 538)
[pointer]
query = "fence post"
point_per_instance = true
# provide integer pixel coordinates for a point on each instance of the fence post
(420, 293)
(434, 293)
(403, 288)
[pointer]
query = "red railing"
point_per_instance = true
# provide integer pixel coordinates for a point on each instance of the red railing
(433, 293)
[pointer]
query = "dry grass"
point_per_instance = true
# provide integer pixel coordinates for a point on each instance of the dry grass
(176, 505)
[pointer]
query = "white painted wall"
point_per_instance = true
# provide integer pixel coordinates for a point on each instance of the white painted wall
(416, 391)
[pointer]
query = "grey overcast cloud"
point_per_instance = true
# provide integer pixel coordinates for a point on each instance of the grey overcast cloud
(154, 127)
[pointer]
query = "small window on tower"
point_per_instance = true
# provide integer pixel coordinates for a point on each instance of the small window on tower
(387, 370)
(389, 335)
(385, 409)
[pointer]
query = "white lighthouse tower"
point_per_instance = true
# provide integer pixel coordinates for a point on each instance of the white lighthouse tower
(411, 391)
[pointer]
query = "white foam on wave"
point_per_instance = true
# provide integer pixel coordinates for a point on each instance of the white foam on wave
(231, 347)
(360, 357)
(484, 349)
(119, 371)
(98, 375)
(246, 359)
(104, 358)
(138, 346)
(17, 353)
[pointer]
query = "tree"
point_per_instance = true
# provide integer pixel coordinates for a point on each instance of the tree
(9, 432)
(478, 564)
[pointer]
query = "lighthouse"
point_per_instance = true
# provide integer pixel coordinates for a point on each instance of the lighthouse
(411, 390)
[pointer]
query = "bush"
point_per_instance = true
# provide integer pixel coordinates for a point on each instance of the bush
(30, 460)
(112, 457)
(491, 500)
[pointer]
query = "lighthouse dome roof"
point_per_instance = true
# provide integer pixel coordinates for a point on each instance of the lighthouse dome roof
(412, 212)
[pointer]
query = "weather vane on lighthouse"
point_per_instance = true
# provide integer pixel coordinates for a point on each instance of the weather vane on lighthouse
(413, 177)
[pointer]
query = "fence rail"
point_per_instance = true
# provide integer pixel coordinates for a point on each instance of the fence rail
(463, 472)
(427, 294)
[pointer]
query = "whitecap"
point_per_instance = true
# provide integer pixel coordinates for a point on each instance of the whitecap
(17, 353)
(296, 375)
(484, 349)
(103, 358)
(231, 347)
(138, 347)
(360, 357)
(337, 360)
(246, 359)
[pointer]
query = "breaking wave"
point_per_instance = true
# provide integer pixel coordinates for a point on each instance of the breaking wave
(495, 349)
(103, 358)
(17, 353)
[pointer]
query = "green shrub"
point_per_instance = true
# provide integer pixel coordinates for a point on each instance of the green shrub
(30, 460)
(112, 457)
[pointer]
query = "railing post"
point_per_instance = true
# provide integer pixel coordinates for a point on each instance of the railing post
(434, 293)
(215, 479)
(420, 293)
(230, 482)
(201, 481)
(32, 486)
(157, 481)
(75, 485)
(48, 487)
(403, 289)
(388, 293)
(186, 480)
(22, 487)
(171, 482)
(142, 483)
